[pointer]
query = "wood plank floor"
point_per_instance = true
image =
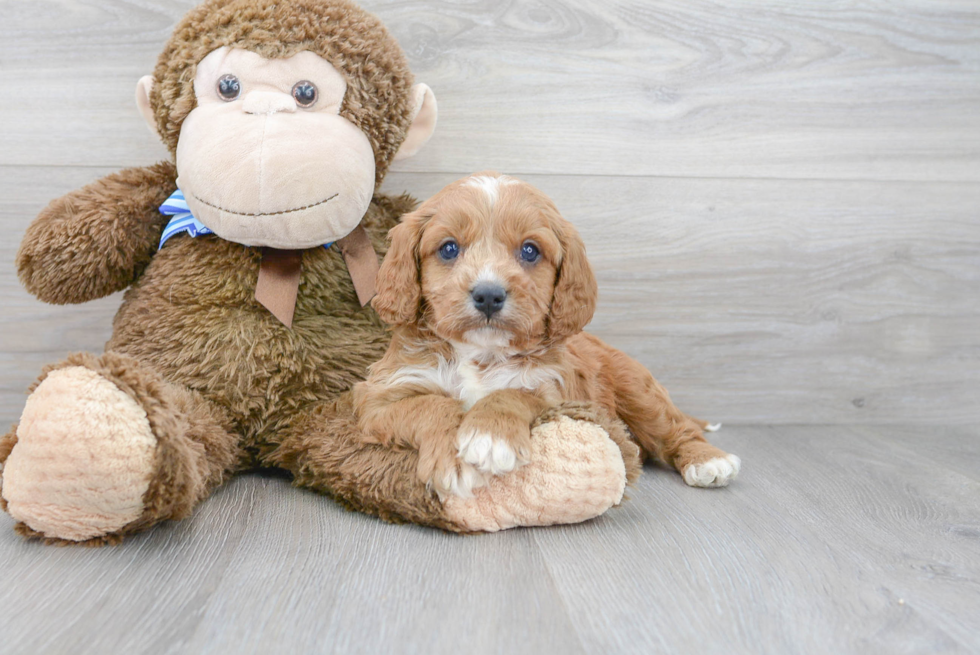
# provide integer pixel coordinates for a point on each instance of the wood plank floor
(834, 540)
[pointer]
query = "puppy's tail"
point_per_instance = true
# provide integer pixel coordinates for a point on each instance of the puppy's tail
(707, 427)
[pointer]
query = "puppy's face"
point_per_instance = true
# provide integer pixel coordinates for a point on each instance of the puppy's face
(488, 261)
(489, 257)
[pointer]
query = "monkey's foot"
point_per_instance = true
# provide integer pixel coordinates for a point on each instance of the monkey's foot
(575, 473)
(83, 458)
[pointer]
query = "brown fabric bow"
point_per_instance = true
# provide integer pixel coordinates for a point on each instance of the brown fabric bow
(280, 271)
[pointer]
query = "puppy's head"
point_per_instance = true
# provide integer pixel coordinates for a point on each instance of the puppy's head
(488, 261)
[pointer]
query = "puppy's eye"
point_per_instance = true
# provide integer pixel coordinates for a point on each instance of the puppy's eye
(530, 252)
(229, 88)
(449, 250)
(305, 94)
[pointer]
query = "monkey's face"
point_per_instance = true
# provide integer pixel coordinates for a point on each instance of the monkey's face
(265, 159)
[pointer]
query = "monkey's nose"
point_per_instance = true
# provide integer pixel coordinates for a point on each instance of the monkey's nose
(488, 298)
(268, 102)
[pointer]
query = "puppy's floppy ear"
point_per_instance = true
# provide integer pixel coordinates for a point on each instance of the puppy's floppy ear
(399, 289)
(574, 299)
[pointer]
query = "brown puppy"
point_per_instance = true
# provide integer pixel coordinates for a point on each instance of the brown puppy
(488, 288)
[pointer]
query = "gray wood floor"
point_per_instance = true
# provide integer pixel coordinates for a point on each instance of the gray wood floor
(835, 540)
(782, 202)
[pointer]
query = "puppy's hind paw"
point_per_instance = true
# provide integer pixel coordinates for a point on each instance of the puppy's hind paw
(716, 472)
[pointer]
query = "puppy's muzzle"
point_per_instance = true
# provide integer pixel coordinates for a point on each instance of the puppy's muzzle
(488, 298)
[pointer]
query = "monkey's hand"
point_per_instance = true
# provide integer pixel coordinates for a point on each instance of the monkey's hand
(97, 240)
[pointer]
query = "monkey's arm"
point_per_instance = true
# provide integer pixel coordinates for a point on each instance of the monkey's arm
(97, 240)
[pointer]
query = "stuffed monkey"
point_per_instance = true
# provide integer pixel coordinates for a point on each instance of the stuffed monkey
(248, 261)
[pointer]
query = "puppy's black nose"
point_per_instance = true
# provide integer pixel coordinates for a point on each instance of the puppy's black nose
(489, 298)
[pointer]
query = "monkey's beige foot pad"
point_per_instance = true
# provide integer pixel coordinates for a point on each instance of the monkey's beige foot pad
(83, 460)
(576, 472)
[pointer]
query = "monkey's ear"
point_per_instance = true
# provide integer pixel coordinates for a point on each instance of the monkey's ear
(423, 122)
(399, 289)
(143, 88)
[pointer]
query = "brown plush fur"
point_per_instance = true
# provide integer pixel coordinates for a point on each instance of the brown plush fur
(226, 386)
(97, 240)
(325, 450)
(196, 450)
(209, 334)
(7, 443)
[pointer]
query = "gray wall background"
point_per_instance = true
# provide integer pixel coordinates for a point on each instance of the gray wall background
(780, 198)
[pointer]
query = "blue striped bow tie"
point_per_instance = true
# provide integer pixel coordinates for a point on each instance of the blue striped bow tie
(183, 220)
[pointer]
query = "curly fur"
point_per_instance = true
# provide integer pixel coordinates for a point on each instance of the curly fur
(453, 369)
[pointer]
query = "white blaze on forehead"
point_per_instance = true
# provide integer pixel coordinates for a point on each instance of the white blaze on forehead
(490, 185)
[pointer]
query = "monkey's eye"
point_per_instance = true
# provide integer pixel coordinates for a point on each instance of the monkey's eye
(304, 93)
(229, 88)
(530, 252)
(449, 251)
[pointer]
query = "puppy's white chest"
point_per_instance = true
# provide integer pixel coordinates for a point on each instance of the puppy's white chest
(462, 380)
(472, 384)
(469, 382)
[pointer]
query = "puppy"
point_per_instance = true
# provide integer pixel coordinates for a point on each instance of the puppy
(488, 289)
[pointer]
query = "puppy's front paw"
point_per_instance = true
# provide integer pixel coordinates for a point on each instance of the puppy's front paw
(459, 479)
(716, 472)
(445, 474)
(493, 443)
(488, 453)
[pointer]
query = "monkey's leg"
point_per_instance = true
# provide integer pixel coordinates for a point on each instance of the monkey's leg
(106, 447)
(325, 450)
(579, 467)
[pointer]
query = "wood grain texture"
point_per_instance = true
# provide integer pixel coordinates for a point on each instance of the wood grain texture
(780, 88)
(814, 552)
(833, 540)
(753, 301)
